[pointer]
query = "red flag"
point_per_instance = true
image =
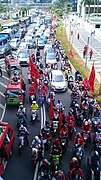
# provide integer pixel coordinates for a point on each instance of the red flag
(71, 53)
(51, 110)
(85, 82)
(35, 83)
(34, 70)
(92, 78)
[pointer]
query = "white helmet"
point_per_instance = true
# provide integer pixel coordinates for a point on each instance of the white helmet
(33, 102)
(36, 138)
(86, 123)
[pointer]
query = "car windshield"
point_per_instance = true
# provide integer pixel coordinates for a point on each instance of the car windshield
(15, 68)
(51, 56)
(23, 55)
(28, 40)
(58, 78)
(13, 93)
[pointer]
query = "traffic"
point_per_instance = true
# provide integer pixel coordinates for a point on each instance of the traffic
(52, 123)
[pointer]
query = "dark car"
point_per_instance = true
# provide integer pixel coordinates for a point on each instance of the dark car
(20, 34)
(5, 50)
(40, 44)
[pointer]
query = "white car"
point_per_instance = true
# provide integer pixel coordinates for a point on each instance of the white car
(57, 81)
(23, 57)
(50, 58)
(48, 47)
(22, 46)
(14, 43)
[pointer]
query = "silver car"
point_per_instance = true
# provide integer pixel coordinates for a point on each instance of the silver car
(57, 81)
(14, 43)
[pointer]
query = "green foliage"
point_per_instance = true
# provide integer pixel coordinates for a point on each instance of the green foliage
(2, 8)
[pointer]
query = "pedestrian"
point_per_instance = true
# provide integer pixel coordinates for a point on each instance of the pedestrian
(0, 71)
(29, 76)
(84, 54)
(78, 36)
(91, 53)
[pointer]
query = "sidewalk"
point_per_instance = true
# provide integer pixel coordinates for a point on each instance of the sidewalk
(85, 29)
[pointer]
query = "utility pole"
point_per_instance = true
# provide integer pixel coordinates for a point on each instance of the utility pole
(87, 52)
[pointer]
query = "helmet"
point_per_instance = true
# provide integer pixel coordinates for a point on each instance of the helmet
(21, 103)
(96, 153)
(59, 100)
(64, 126)
(33, 102)
(78, 135)
(86, 123)
(56, 141)
(21, 107)
(74, 159)
(45, 161)
(36, 138)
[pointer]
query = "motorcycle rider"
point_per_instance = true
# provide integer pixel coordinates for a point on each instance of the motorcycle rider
(21, 111)
(56, 148)
(78, 140)
(95, 160)
(94, 163)
(23, 131)
(59, 175)
(71, 120)
(46, 129)
(64, 132)
(59, 105)
(76, 172)
(96, 112)
(34, 107)
(86, 127)
(45, 169)
(73, 163)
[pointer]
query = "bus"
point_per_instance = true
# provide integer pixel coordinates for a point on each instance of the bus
(14, 91)
(6, 144)
(11, 25)
(24, 22)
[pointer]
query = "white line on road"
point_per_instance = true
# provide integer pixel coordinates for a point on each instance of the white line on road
(5, 77)
(2, 84)
(2, 107)
(2, 94)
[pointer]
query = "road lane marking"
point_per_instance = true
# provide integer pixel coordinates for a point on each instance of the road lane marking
(5, 77)
(2, 94)
(2, 107)
(2, 84)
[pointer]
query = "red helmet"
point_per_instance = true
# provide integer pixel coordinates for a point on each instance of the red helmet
(78, 135)
(45, 161)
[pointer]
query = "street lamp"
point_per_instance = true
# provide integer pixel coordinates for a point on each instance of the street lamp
(87, 52)
(100, 84)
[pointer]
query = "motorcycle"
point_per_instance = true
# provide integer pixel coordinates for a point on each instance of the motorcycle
(21, 121)
(32, 98)
(47, 138)
(45, 176)
(55, 126)
(78, 152)
(63, 141)
(34, 115)
(95, 121)
(55, 162)
(94, 171)
(34, 155)
(86, 136)
(42, 100)
(21, 143)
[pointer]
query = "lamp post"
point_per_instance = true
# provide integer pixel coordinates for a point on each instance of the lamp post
(87, 52)
(100, 83)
